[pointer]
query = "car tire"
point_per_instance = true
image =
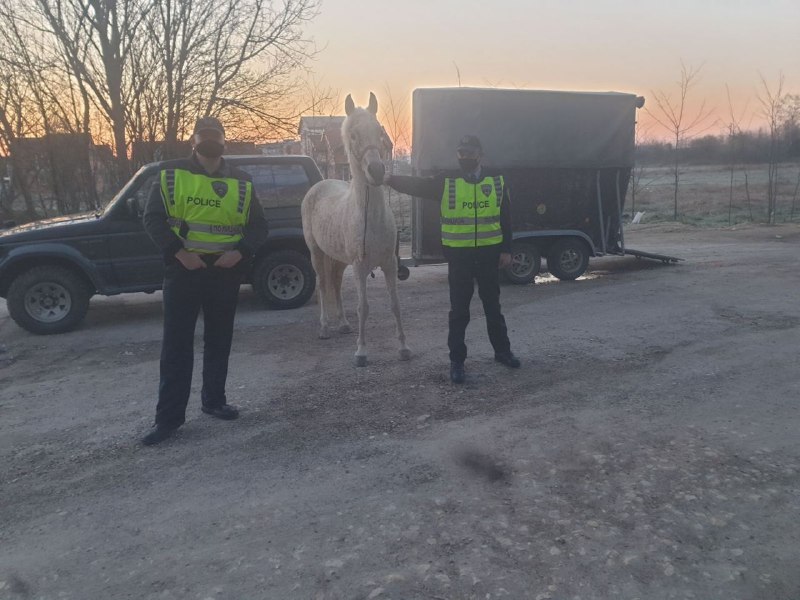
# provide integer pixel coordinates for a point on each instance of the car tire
(568, 258)
(48, 299)
(284, 279)
(525, 264)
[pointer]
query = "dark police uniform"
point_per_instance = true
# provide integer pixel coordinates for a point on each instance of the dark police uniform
(473, 255)
(214, 289)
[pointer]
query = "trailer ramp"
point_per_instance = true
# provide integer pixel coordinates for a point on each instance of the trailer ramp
(662, 257)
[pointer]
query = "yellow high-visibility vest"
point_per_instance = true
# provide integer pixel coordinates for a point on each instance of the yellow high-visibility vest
(470, 214)
(207, 213)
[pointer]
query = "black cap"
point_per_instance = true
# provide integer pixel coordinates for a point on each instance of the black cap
(208, 123)
(470, 142)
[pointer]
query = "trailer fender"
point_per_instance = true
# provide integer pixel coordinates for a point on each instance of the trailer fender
(556, 233)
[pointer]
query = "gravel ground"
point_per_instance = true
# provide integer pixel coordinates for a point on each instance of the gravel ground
(647, 448)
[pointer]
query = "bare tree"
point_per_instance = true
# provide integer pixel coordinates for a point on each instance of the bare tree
(458, 73)
(641, 178)
(19, 116)
(151, 67)
(318, 99)
(734, 130)
(14, 101)
(395, 120)
(240, 58)
(791, 129)
(98, 39)
(794, 197)
(58, 104)
(772, 102)
(671, 115)
(126, 71)
(641, 138)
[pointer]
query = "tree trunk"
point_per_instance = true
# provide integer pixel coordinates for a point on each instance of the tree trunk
(730, 200)
(747, 193)
(794, 197)
(122, 171)
(677, 178)
(18, 179)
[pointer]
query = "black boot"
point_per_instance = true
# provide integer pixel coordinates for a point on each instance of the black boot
(158, 434)
(508, 359)
(223, 411)
(457, 374)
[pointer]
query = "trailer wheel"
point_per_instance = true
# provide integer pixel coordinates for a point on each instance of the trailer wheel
(568, 258)
(525, 264)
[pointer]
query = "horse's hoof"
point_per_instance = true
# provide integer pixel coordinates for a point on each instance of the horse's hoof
(405, 354)
(403, 273)
(324, 334)
(361, 361)
(345, 328)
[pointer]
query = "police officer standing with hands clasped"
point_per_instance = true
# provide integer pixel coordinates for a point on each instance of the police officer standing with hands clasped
(476, 237)
(205, 217)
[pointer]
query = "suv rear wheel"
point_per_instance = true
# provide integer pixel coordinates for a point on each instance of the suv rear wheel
(48, 299)
(284, 279)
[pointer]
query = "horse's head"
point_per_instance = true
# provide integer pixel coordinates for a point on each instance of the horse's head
(363, 139)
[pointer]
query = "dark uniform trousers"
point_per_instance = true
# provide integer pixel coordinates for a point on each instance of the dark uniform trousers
(464, 267)
(216, 291)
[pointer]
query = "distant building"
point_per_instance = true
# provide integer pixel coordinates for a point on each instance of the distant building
(284, 148)
(63, 172)
(313, 142)
(234, 147)
(143, 152)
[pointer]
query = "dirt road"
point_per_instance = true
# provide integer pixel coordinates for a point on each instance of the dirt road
(647, 449)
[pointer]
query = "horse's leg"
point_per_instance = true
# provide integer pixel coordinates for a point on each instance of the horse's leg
(336, 280)
(319, 261)
(331, 318)
(361, 272)
(389, 269)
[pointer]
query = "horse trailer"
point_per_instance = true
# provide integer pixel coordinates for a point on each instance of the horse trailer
(567, 158)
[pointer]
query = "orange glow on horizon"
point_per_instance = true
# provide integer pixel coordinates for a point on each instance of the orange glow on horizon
(633, 46)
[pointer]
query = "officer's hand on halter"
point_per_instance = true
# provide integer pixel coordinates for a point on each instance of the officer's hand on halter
(505, 260)
(228, 259)
(190, 260)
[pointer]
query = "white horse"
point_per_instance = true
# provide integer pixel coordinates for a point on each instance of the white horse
(351, 224)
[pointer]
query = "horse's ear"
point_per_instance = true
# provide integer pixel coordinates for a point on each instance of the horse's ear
(349, 105)
(373, 104)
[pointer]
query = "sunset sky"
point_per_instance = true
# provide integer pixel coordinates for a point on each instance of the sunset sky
(601, 45)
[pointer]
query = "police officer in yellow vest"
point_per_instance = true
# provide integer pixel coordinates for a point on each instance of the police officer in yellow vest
(205, 217)
(476, 238)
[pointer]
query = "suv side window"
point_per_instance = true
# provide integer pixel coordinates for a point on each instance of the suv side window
(142, 194)
(280, 185)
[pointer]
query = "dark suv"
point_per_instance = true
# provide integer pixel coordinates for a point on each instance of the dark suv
(49, 269)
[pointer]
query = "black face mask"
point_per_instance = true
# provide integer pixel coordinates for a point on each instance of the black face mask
(468, 165)
(210, 149)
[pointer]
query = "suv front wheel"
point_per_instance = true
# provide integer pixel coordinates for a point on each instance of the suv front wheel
(48, 299)
(284, 279)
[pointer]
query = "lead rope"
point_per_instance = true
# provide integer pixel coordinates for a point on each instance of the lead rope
(364, 243)
(366, 208)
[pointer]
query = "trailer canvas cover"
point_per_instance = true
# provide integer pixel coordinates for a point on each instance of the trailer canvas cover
(524, 128)
(566, 157)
